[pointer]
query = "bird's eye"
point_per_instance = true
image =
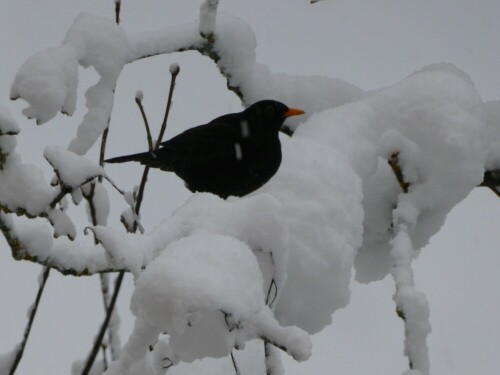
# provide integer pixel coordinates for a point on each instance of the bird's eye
(270, 110)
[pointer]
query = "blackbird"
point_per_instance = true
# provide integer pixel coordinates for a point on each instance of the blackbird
(232, 155)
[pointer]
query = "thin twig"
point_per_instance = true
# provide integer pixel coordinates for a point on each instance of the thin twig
(103, 278)
(174, 72)
(34, 308)
(140, 195)
(119, 279)
(268, 301)
(235, 365)
(64, 190)
(104, 326)
(138, 101)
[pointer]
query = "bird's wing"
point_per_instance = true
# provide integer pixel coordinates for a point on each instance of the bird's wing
(214, 140)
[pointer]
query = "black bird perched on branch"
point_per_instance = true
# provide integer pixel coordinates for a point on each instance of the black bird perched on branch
(234, 154)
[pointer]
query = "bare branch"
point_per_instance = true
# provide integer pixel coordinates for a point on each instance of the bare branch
(140, 195)
(396, 168)
(138, 101)
(235, 364)
(104, 326)
(174, 72)
(20, 348)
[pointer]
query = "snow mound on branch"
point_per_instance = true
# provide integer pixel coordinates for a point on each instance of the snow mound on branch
(72, 170)
(321, 197)
(203, 272)
(434, 120)
(7, 123)
(210, 267)
(258, 221)
(206, 290)
(236, 45)
(22, 185)
(47, 82)
(100, 43)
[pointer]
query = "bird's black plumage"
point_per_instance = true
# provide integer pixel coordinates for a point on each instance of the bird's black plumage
(234, 154)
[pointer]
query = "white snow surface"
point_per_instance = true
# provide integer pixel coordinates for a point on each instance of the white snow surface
(7, 123)
(72, 170)
(206, 291)
(208, 15)
(434, 119)
(47, 82)
(321, 199)
(22, 185)
(202, 272)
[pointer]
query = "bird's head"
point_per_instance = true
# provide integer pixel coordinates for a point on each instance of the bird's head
(271, 113)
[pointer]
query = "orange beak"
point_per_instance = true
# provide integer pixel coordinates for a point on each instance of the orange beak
(293, 112)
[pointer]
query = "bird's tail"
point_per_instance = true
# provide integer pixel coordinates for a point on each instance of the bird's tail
(143, 158)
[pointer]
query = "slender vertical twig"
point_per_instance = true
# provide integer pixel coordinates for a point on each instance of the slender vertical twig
(118, 6)
(138, 101)
(108, 303)
(104, 326)
(268, 350)
(20, 348)
(235, 365)
(174, 71)
(121, 274)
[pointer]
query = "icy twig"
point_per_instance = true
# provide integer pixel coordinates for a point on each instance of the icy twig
(208, 15)
(273, 360)
(411, 305)
(20, 348)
